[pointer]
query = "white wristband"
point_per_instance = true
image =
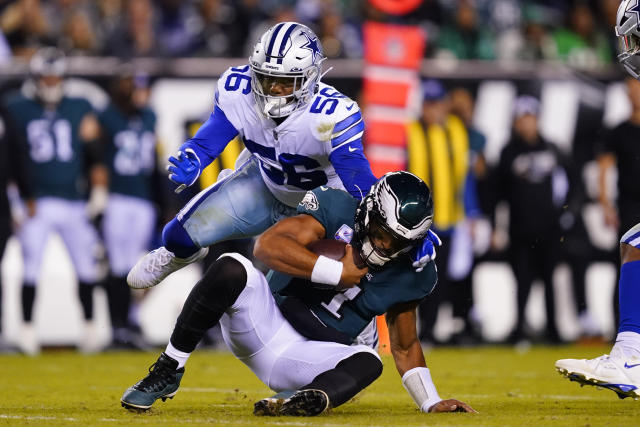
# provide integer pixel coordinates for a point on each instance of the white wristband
(326, 271)
(418, 383)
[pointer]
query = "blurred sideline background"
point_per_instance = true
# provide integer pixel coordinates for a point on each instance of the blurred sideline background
(562, 52)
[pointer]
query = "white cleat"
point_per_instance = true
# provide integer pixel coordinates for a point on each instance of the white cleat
(155, 266)
(616, 372)
(28, 341)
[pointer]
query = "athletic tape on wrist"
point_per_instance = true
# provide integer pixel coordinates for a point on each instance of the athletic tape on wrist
(418, 383)
(326, 271)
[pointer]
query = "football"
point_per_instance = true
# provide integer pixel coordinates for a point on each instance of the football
(334, 249)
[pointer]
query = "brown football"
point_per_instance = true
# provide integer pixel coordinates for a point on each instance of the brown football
(334, 249)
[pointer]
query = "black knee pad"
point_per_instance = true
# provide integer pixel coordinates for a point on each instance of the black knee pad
(223, 281)
(214, 293)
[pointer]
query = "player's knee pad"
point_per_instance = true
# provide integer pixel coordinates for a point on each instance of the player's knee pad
(223, 282)
(176, 239)
(218, 289)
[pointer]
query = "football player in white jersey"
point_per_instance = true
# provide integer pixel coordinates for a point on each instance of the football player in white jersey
(619, 371)
(299, 133)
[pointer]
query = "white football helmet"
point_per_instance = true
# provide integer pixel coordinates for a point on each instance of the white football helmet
(628, 32)
(289, 54)
(47, 68)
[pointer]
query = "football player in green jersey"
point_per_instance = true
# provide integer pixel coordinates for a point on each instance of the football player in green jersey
(307, 328)
(130, 157)
(56, 130)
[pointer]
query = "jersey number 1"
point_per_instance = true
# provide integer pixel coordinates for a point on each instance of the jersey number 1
(336, 302)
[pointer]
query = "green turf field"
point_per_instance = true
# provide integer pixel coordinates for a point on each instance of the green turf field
(506, 387)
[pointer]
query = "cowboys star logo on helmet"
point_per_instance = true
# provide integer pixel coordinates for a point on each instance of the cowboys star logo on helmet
(628, 32)
(288, 54)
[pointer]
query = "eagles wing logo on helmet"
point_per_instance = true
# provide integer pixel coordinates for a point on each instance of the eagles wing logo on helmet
(287, 54)
(628, 32)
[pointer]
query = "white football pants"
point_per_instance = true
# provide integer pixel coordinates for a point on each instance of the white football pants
(69, 219)
(258, 335)
(127, 227)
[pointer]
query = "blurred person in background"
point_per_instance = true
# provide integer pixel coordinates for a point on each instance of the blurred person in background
(131, 206)
(439, 154)
(476, 202)
(217, 33)
(78, 36)
(531, 179)
(620, 151)
(13, 169)
(463, 37)
(135, 36)
(537, 42)
(340, 39)
(174, 31)
(60, 133)
(25, 26)
(581, 43)
(109, 14)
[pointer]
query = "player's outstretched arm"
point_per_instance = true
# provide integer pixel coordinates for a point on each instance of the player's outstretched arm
(409, 358)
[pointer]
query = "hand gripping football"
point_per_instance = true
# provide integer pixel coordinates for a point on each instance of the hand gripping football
(334, 249)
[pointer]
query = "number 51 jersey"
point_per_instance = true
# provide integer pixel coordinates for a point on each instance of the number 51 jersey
(318, 144)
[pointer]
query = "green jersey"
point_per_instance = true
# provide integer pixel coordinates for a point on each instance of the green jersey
(56, 154)
(350, 311)
(130, 151)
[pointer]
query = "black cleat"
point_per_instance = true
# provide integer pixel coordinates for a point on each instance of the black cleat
(297, 403)
(161, 383)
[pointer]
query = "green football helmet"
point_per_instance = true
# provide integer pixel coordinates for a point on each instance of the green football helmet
(399, 203)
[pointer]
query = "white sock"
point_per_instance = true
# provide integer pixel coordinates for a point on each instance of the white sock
(628, 343)
(178, 355)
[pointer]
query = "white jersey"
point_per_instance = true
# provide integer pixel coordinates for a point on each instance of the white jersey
(294, 155)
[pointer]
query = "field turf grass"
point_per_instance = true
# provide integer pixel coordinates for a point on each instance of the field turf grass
(63, 388)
